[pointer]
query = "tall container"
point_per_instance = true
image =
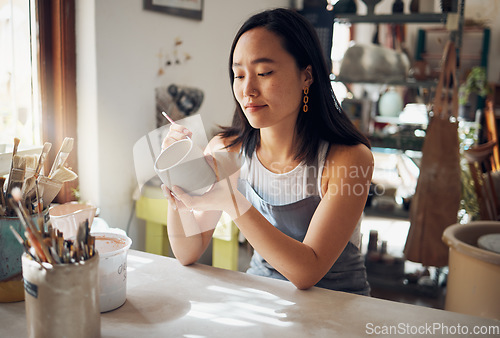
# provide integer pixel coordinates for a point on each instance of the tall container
(62, 301)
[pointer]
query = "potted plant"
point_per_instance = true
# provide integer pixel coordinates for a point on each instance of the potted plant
(472, 92)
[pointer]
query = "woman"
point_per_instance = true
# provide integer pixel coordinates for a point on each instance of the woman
(306, 169)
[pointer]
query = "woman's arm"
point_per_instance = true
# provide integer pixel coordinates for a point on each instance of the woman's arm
(345, 182)
(190, 231)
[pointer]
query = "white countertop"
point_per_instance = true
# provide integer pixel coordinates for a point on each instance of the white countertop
(166, 299)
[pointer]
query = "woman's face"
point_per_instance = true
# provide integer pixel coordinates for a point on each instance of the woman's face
(267, 83)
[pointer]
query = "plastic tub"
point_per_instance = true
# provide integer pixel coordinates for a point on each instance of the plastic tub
(112, 249)
(474, 273)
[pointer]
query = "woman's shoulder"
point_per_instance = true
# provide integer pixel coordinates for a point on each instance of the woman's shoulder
(349, 155)
(218, 143)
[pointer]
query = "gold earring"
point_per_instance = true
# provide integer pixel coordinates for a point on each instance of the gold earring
(305, 100)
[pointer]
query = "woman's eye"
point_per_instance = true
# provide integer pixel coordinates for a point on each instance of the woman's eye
(238, 76)
(265, 74)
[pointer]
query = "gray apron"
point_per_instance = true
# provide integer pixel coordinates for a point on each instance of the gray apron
(347, 274)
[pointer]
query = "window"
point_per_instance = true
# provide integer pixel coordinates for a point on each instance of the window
(19, 109)
(38, 77)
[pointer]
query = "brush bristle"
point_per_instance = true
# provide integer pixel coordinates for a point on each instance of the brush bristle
(31, 161)
(63, 174)
(67, 145)
(29, 184)
(19, 162)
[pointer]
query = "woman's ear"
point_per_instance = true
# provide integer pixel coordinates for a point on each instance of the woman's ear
(308, 80)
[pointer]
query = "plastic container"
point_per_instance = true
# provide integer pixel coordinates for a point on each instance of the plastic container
(62, 301)
(473, 285)
(66, 217)
(113, 249)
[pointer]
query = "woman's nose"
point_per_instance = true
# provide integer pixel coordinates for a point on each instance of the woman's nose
(249, 88)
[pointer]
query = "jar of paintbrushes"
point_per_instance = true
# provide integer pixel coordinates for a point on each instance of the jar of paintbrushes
(37, 190)
(61, 278)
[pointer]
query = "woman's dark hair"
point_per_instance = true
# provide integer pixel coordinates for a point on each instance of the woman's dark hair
(325, 119)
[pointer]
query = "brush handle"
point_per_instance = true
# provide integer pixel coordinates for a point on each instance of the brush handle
(3, 202)
(62, 155)
(43, 156)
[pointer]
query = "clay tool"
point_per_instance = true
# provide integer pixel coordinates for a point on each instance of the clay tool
(168, 117)
(62, 155)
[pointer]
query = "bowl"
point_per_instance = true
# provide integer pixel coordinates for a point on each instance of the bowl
(66, 217)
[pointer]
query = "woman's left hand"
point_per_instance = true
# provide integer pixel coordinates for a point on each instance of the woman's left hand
(223, 196)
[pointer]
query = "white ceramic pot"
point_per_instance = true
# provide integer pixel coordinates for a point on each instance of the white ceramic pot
(112, 249)
(183, 164)
(474, 273)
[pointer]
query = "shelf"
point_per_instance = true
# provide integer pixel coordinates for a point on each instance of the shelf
(398, 121)
(393, 18)
(408, 83)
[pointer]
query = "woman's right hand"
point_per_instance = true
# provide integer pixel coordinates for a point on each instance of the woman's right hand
(176, 132)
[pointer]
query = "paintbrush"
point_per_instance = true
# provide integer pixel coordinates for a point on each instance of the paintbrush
(31, 164)
(28, 191)
(3, 202)
(25, 246)
(32, 234)
(14, 152)
(48, 190)
(62, 155)
(17, 173)
(29, 234)
(43, 156)
(63, 174)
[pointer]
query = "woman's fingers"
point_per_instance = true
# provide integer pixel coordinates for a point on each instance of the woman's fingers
(177, 132)
(169, 196)
(182, 196)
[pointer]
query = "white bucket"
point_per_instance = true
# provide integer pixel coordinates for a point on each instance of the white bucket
(112, 249)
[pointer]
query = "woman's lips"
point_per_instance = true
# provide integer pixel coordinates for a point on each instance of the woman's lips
(252, 108)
